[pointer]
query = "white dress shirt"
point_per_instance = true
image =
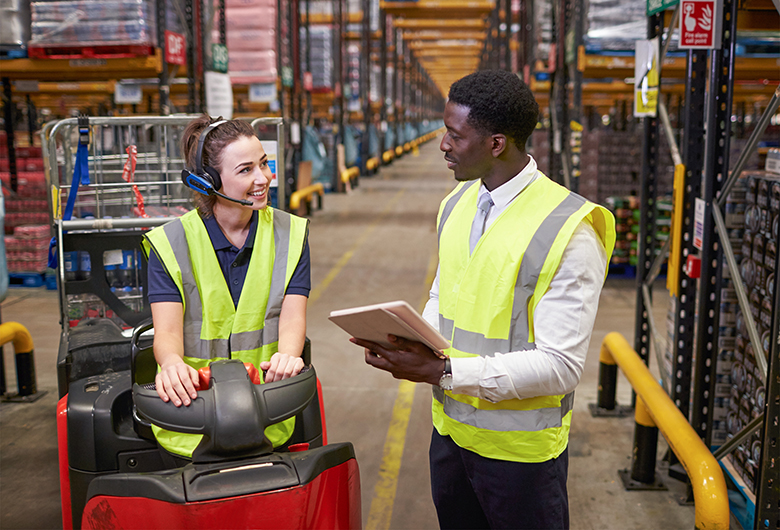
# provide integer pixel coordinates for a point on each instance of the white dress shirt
(563, 318)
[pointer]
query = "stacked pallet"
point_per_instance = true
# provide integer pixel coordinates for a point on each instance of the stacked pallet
(251, 41)
(27, 231)
(91, 28)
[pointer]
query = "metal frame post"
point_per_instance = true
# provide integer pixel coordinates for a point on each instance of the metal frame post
(394, 91)
(8, 115)
(768, 479)
(164, 87)
(647, 241)
(383, 19)
(693, 158)
(716, 165)
(365, 82)
(573, 127)
(559, 89)
(337, 39)
(190, 19)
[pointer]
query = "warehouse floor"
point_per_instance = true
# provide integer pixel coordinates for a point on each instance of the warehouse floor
(375, 244)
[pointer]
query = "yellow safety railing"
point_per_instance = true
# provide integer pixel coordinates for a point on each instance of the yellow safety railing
(13, 331)
(388, 156)
(709, 487)
(25, 362)
(306, 193)
(372, 163)
(350, 173)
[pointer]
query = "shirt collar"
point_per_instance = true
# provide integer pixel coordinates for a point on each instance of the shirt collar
(505, 193)
(218, 238)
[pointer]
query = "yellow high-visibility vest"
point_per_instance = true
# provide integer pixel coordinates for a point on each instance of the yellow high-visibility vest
(213, 327)
(486, 306)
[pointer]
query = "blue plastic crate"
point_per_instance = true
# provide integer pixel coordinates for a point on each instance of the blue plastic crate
(740, 503)
(25, 279)
(12, 52)
(51, 282)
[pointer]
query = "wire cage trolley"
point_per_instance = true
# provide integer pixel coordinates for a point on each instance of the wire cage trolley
(111, 179)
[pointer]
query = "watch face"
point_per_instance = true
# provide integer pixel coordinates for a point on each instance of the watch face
(446, 382)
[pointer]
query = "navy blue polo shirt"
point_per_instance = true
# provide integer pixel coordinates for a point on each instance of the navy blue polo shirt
(234, 263)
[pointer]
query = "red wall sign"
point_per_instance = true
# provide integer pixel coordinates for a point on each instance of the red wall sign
(700, 24)
(175, 48)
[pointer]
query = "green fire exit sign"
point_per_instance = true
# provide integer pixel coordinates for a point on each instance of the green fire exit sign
(656, 6)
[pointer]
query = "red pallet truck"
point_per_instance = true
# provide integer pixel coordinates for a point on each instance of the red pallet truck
(112, 473)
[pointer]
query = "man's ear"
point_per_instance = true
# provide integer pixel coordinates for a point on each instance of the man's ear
(498, 144)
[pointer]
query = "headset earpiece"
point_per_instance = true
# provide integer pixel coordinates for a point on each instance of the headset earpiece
(196, 182)
(213, 174)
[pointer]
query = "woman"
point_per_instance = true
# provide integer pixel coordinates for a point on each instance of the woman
(229, 279)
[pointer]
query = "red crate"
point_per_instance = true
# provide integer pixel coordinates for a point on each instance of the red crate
(29, 164)
(107, 51)
(29, 152)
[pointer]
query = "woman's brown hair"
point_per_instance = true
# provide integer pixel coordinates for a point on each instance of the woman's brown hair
(215, 143)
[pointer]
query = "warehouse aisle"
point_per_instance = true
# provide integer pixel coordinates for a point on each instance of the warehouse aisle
(375, 244)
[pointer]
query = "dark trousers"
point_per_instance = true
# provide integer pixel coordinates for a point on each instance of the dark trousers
(471, 491)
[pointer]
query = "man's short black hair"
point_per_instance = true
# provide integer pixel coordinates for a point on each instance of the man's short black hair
(499, 102)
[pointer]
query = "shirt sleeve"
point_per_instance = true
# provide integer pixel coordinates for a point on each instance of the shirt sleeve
(300, 283)
(431, 310)
(160, 286)
(563, 324)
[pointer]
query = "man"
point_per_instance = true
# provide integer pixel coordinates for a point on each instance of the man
(521, 264)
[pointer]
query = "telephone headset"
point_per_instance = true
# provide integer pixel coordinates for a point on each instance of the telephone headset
(206, 180)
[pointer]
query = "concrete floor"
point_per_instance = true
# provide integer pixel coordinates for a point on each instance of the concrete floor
(375, 244)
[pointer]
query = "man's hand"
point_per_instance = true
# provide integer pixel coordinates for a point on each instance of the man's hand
(410, 360)
(281, 366)
(177, 381)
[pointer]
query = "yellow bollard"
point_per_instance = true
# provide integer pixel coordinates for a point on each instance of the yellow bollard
(25, 363)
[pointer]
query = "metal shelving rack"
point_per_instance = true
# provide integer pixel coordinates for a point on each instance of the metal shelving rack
(145, 67)
(691, 376)
(707, 177)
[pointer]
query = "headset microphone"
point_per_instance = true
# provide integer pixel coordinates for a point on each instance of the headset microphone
(205, 186)
(239, 201)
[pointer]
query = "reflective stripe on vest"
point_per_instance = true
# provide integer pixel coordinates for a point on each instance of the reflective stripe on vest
(505, 420)
(524, 430)
(452, 200)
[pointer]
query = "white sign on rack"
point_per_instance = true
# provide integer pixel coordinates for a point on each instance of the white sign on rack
(126, 93)
(271, 149)
(262, 92)
(646, 77)
(219, 95)
(698, 223)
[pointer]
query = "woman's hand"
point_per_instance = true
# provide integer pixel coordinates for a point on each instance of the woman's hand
(281, 366)
(177, 381)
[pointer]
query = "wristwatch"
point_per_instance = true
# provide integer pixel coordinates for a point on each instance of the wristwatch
(445, 383)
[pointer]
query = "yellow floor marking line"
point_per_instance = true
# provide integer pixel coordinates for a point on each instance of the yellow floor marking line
(344, 259)
(384, 492)
(381, 510)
